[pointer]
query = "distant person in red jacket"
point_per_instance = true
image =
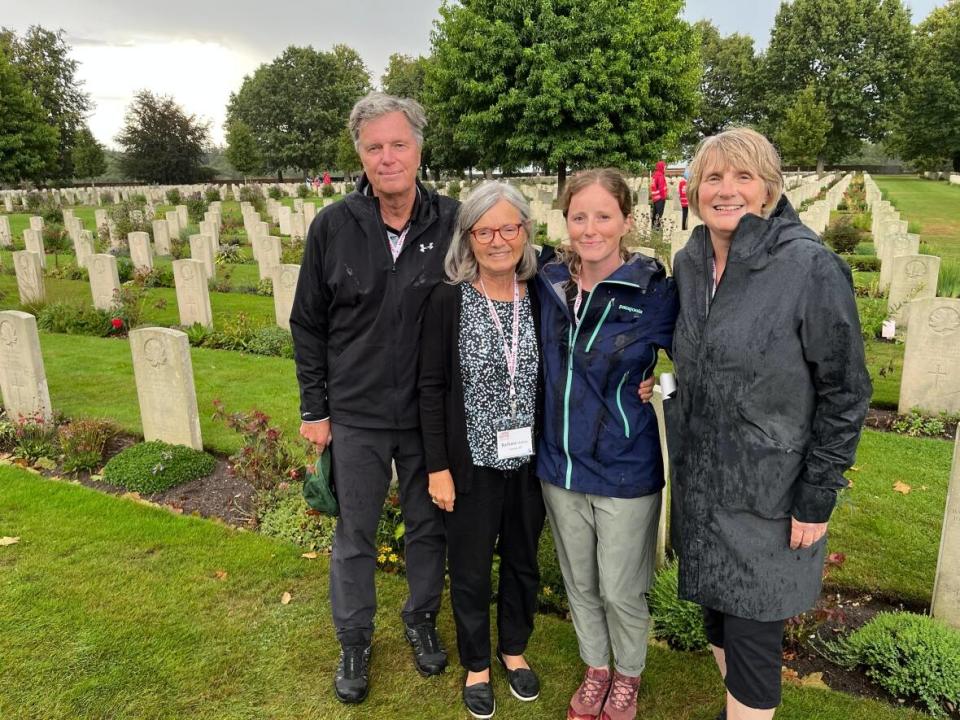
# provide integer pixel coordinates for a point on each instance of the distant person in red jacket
(326, 179)
(682, 189)
(658, 193)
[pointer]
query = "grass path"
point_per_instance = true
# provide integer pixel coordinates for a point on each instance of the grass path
(933, 207)
(111, 609)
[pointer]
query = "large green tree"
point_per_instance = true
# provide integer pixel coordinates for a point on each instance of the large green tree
(563, 83)
(28, 144)
(855, 54)
(802, 135)
(297, 104)
(161, 142)
(928, 126)
(242, 149)
(729, 85)
(88, 158)
(404, 76)
(43, 58)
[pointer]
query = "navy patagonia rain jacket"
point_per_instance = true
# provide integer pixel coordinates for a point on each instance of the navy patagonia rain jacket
(598, 438)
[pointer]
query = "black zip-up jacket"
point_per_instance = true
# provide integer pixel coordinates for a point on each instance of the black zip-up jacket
(356, 314)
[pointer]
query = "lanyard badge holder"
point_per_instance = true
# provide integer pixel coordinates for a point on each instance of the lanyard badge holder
(514, 432)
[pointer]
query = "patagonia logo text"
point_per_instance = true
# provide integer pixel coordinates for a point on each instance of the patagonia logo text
(638, 311)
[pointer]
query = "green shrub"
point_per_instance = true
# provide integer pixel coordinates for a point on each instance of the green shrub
(918, 424)
(265, 287)
(173, 196)
(283, 514)
(873, 311)
(275, 192)
(155, 466)
(327, 190)
(159, 276)
(62, 317)
(33, 200)
(292, 254)
(842, 236)
(82, 443)
(212, 194)
(265, 458)
(677, 621)
(229, 254)
(34, 438)
(68, 272)
(106, 197)
(865, 263)
(303, 191)
(271, 340)
(8, 432)
(908, 655)
(196, 207)
(139, 198)
(453, 189)
(252, 195)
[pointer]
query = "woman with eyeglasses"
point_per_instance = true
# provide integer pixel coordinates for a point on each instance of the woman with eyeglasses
(605, 313)
(479, 387)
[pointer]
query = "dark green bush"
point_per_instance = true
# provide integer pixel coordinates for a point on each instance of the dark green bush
(106, 197)
(303, 191)
(229, 254)
(155, 466)
(196, 207)
(62, 317)
(292, 254)
(908, 655)
(677, 621)
(212, 194)
(453, 189)
(327, 190)
(33, 200)
(173, 196)
(842, 236)
(125, 268)
(283, 514)
(159, 276)
(68, 272)
(82, 443)
(271, 340)
(865, 263)
(275, 192)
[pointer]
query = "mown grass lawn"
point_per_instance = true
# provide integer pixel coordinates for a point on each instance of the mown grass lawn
(112, 609)
(934, 208)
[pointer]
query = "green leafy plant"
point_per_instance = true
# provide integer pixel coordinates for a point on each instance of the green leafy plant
(842, 236)
(34, 438)
(327, 191)
(948, 282)
(196, 207)
(82, 443)
(155, 466)
(70, 319)
(865, 263)
(173, 196)
(229, 254)
(303, 191)
(677, 621)
(265, 458)
(453, 189)
(271, 340)
(908, 655)
(918, 424)
(390, 529)
(265, 287)
(211, 194)
(283, 514)
(275, 193)
(292, 254)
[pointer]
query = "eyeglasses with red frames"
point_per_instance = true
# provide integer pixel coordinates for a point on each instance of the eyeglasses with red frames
(485, 235)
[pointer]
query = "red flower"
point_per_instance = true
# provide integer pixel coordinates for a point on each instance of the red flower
(117, 323)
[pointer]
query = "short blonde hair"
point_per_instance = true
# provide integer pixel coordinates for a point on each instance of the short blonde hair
(743, 149)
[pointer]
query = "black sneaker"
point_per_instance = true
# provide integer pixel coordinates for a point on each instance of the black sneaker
(524, 683)
(428, 655)
(479, 700)
(352, 679)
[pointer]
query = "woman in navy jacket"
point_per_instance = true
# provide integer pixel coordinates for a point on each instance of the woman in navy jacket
(604, 315)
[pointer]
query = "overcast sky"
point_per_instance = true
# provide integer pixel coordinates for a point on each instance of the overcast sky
(199, 52)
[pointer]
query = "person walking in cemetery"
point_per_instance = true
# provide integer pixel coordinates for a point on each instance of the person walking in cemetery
(605, 313)
(682, 193)
(772, 394)
(369, 264)
(658, 193)
(480, 383)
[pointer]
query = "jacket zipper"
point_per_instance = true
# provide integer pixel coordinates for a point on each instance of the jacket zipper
(596, 330)
(626, 423)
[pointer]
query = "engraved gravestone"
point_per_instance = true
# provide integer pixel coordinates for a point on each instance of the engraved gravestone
(6, 238)
(914, 277)
(173, 223)
(83, 247)
(33, 241)
(269, 254)
(946, 586)
(161, 237)
(284, 287)
(29, 272)
(931, 362)
(285, 215)
(23, 382)
(141, 254)
(104, 280)
(201, 248)
(193, 297)
(165, 389)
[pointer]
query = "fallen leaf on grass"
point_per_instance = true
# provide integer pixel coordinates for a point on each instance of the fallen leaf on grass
(854, 468)
(814, 680)
(8, 541)
(286, 598)
(790, 675)
(310, 555)
(901, 487)
(45, 463)
(220, 574)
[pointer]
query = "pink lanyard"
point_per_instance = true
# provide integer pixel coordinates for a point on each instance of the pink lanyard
(397, 245)
(511, 351)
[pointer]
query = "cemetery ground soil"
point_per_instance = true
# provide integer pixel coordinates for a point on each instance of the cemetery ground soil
(111, 608)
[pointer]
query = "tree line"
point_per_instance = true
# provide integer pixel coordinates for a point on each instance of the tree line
(557, 85)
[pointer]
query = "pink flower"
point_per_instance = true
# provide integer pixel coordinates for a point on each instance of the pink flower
(117, 323)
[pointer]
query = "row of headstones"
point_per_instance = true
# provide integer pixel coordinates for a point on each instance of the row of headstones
(817, 215)
(905, 274)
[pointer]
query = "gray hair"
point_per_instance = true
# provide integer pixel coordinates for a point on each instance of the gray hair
(378, 104)
(460, 262)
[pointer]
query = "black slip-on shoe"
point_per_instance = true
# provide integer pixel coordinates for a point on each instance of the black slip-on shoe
(428, 654)
(524, 683)
(479, 700)
(351, 681)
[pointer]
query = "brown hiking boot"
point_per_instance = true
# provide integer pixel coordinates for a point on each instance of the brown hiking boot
(621, 703)
(588, 699)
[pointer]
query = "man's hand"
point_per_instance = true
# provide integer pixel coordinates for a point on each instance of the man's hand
(441, 490)
(803, 535)
(645, 391)
(318, 433)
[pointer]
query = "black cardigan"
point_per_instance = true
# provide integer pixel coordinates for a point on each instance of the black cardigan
(443, 419)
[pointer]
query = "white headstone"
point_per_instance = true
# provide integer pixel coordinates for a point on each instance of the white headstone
(201, 248)
(914, 277)
(284, 287)
(931, 360)
(33, 241)
(104, 280)
(946, 586)
(29, 277)
(269, 253)
(164, 375)
(209, 228)
(161, 237)
(173, 223)
(36, 223)
(140, 251)
(183, 215)
(193, 296)
(23, 382)
(83, 247)
(285, 213)
(6, 238)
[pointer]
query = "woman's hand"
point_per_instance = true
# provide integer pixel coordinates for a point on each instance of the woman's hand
(441, 490)
(803, 535)
(645, 390)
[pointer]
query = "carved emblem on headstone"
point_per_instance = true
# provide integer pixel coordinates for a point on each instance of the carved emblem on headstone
(915, 269)
(187, 272)
(944, 320)
(154, 352)
(288, 279)
(8, 333)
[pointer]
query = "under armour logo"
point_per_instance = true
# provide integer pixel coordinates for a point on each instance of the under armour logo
(424, 248)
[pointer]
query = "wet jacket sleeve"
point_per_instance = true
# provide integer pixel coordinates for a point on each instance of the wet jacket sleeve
(435, 359)
(833, 350)
(309, 322)
(667, 317)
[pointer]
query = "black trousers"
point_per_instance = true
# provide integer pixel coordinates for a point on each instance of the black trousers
(685, 209)
(503, 511)
(361, 470)
(657, 216)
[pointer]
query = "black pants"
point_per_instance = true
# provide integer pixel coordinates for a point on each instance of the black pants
(684, 211)
(508, 505)
(657, 216)
(361, 470)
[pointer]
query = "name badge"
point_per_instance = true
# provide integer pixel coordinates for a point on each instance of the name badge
(514, 443)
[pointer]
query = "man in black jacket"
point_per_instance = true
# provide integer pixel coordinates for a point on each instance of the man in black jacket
(369, 264)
